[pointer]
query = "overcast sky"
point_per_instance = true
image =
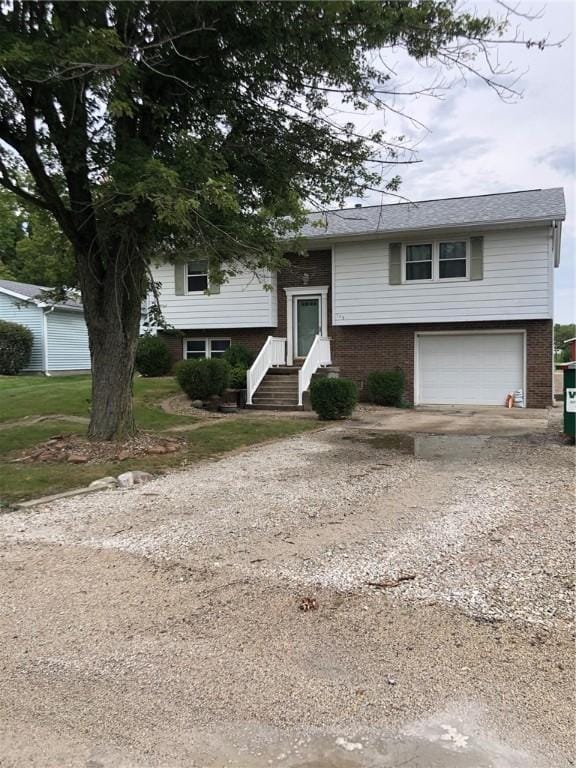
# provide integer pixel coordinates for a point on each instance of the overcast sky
(476, 144)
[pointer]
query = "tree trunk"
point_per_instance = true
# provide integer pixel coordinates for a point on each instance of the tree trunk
(112, 307)
(113, 351)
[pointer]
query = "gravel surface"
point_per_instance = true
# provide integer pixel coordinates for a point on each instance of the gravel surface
(160, 625)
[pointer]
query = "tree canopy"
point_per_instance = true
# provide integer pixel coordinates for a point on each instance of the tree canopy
(170, 129)
(33, 248)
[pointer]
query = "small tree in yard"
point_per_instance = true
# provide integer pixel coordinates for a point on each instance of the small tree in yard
(196, 130)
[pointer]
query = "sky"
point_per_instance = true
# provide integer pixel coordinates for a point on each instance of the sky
(474, 143)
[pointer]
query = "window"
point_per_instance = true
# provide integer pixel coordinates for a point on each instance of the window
(452, 260)
(419, 262)
(195, 348)
(442, 260)
(197, 273)
(218, 347)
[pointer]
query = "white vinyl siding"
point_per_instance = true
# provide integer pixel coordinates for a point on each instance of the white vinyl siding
(67, 341)
(26, 313)
(517, 283)
(468, 369)
(241, 303)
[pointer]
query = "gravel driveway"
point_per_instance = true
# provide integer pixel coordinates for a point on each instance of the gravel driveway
(159, 626)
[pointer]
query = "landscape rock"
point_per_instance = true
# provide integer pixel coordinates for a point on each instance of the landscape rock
(78, 458)
(159, 449)
(197, 404)
(123, 455)
(135, 477)
(104, 482)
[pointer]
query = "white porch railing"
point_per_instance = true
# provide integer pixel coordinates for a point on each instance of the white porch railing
(318, 356)
(272, 353)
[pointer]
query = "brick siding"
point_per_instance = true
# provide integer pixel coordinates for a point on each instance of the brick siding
(251, 338)
(359, 349)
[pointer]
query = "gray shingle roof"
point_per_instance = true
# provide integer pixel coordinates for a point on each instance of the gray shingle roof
(529, 205)
(34, 292)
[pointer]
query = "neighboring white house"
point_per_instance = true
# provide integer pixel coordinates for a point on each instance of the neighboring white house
(60, 333)
(457, 292)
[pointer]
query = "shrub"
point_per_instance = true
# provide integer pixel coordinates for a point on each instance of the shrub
(152, 357)
(15, 347)
(333, 398)
(386, 387)
(203, 378)
(237, 355)
(238, 377)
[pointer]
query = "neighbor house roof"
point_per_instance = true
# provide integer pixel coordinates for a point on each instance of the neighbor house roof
(29, 292)
(502, 208)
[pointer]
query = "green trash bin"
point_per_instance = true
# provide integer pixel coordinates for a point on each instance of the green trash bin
(570, 400)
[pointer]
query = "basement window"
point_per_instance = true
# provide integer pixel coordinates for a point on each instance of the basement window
(200, 348)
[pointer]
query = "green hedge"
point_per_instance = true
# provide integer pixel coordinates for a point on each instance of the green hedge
(153, 357)
(333, 398)
(237, 355)
(15, 347)
(237, 377)
(203, 378)
(386, 387)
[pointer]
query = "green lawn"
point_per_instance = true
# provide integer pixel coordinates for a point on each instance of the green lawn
(29, 396)
(22, 396)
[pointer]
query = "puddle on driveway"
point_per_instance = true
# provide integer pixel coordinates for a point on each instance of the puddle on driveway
(424, 446)
(439, 742)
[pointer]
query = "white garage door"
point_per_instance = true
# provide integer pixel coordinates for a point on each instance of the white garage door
(469, 369)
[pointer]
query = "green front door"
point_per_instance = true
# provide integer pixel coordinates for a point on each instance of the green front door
(307, 322)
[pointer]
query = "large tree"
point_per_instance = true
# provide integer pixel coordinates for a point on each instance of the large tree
(172, 128)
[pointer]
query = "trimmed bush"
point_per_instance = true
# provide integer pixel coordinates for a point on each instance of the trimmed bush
(152, 357)
(237, 355)
(237, 377)
(15, 347)
(333, 398)
(203, 378)
(386, 387)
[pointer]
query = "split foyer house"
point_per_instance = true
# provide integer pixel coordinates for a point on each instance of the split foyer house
(456, 292)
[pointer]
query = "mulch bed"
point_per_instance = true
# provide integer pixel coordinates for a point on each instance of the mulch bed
(75, 449)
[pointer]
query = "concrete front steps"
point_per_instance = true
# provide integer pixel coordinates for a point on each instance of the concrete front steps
(278, 390)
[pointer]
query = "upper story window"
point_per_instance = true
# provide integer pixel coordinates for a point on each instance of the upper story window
(444, 260)
(197, 276)
(419, 262)
(452, 261)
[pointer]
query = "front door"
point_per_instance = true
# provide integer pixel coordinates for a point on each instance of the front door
(307, 323)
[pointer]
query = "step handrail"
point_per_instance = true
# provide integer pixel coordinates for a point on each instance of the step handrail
(318, 356)
(272, 353)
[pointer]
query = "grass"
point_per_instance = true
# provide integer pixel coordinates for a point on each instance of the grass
(22, 396)
(29, 396)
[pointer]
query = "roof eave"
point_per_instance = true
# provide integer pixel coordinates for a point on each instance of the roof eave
(388, 233)
(15, 295)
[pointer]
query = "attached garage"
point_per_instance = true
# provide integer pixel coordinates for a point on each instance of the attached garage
(468, 368)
